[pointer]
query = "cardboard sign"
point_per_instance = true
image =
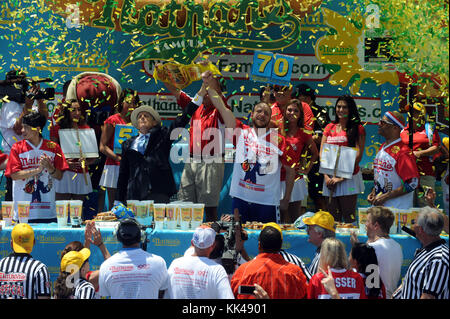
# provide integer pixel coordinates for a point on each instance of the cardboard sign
(337, 160)
(71, 146)
(272, 68)
(121, 134)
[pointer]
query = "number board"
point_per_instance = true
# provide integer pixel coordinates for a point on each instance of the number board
(271, 67)
(122, 133)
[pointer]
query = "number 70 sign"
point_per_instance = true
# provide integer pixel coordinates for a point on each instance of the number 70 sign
(272, 68)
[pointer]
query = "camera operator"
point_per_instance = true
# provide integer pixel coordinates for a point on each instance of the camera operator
(13, 109)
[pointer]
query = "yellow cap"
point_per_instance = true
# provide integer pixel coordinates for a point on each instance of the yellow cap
(445, 142)
(22, 237)
(274, 225)
(76, 258)
(419, 107)
(322, 219)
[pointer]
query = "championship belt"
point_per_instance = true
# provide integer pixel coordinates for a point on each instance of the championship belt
(180, 75)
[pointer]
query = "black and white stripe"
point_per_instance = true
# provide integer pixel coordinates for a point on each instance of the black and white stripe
(428, 273)
(296, 261)
(22, 277)
(314, 266)
(84, 290)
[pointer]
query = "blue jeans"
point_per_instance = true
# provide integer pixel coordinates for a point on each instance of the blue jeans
(255, 212)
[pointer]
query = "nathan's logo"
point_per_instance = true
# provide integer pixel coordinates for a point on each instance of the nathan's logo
(326, 50)
(184, 30)
(80, 61)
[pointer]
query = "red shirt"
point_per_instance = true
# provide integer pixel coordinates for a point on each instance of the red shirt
(3, 157)
(294, 148)
(349, 285)
(206, 116)
(113, 120)
(420, 143)
(340, 138)
(54, 132)
(279, 278)
(278, 117)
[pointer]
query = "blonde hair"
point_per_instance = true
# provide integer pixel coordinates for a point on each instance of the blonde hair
(332, 253)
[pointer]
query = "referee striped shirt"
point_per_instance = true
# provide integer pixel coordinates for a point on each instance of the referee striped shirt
(84, 290)
(314, 266)
(22, 277)
(296, 261)
(428, 272)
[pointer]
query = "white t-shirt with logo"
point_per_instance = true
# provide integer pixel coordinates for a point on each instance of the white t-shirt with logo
(193, 277)
(393, 165)
(132, 273)
(257, 167)
(390, 259)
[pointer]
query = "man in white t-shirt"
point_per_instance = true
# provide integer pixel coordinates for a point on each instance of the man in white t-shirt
(132, 273)
(389, 252)
(196, 276)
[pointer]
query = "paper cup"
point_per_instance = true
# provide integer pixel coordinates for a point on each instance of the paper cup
(186, 216)
(159, 213)
(131, 204)
(23, 209)
(362, 217)
(76, 208)
(62, 212)
(171, 216)
(7, 212)
(149, 218)
(197, 215)
(141, 212)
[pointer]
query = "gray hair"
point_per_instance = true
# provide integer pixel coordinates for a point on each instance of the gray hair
(431, 221)
(326, 233)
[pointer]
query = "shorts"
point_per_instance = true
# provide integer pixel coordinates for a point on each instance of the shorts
(73, 183)
(253, 212)
(202, 183)
(110, 175)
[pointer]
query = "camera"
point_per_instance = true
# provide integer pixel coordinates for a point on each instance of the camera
(16, 85)
(229, 255)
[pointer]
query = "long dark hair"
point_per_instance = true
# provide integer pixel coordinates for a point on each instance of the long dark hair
(353, 119)
(61, 291)
(64, 120)
(365, 255)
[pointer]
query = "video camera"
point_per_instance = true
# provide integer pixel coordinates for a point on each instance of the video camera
(229, 255)
(16, 85)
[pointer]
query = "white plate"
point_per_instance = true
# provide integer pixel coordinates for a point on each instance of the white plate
(106, 224)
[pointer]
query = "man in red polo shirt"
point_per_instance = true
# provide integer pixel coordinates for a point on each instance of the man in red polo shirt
(202, 177)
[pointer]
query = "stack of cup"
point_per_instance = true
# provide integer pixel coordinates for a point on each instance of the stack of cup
(362, 216)
(7, 212)
(76, 209)
(197, 215)
(159, 215)
(149, 205)
(186, 215)
(171, 216)
(141, 212)
(131, 204)
(23, 209)
(62, 212)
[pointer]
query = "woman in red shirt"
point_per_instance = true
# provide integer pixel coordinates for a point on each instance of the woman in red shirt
(425, 145)
(72, 186)
(345, 130)
(128, 101)
(349, 284)
(297, 142)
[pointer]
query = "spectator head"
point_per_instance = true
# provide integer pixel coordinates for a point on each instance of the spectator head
(282, 93)
(72, 246)
(22, 239)
(129, 232)
(320, 226)
(261, 94)
(379, 220)
(294, 112)
(203, 240)
(430, 223)
(71, 112)
(144, 118)
(33, 122)
(304, 93)
(76, 261)
(270, 238)
(332, 253)
(363, 258)
(128, 101)
(391, 124)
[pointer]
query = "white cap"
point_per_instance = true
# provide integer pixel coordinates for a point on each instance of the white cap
(203, 237)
